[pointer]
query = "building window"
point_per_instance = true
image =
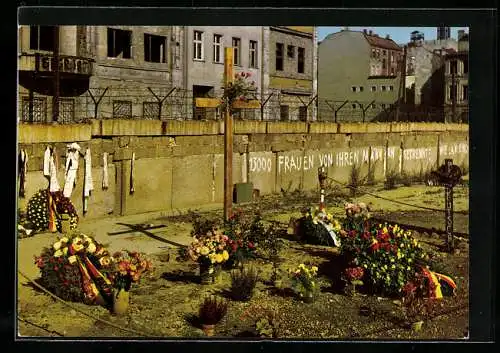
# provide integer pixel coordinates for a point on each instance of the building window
(465, 92)
(151, 110)
(392, 57)
(122, 109)
(453, 92)
(361, 88)
(217, 48)
(66, 110)
(373, 70)
(374, 88)
(384, 64)
(279, 56)
(237, 51)
(39, 110)
(198, 45)
(391, 88)
(466, 65)
(453, 67)
(384, 88)
(354, 88)
(155, 48)
(303, 113)
(290, 51)
(301, 59)
(284, 112)
(354, 105)
(393, 71)
(384, 52)
(42, 37)
(383, 105)
(254, 61)
(374, 53)
(119, 43)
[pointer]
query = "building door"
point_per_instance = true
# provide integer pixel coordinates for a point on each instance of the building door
(284, 112)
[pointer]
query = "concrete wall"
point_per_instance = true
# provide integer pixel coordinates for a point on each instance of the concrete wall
(181, 167)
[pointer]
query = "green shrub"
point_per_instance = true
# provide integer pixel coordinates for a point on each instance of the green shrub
(391, 180)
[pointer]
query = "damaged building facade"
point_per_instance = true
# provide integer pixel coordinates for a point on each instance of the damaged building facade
(157, 72)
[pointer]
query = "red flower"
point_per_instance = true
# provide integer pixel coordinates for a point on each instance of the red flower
(234, 246)
(366, 235)
(352, 233)
(250, 245)
(354, 273)
(375, 246)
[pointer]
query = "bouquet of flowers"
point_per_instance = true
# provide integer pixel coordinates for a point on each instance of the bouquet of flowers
(209, 249)
(317, 226)
(304, 280)
(127, 267)
(353, 276)
(72, 268)
(240, 89)
(242, 232)
(45, 208)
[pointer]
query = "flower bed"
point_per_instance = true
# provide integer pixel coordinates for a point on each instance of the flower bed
(78, 268)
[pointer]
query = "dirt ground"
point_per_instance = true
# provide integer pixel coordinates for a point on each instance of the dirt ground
(165, 304)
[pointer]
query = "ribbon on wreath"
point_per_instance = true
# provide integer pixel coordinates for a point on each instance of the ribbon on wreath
(52, 211)
(439, 284)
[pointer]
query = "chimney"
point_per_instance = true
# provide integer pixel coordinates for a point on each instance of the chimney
(370, 32)
(387, 37)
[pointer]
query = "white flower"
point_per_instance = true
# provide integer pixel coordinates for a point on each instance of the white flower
(57, 245)
(72, 259)
(91, 248)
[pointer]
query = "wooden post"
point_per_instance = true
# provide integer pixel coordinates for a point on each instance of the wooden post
(55, 97)
(228, 139)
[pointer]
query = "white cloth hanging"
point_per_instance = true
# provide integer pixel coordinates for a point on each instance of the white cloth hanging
(105, 177)
(88, 185)
(53, 183)
(46, 161)
(72, 158)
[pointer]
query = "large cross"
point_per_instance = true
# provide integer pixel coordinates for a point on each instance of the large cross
(228, 129)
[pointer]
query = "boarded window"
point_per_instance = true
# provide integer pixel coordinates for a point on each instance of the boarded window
(122, 109)
(155, 48)
(284, 112)
(119, 43)
(151, 110)
(279, 56)
(39, 110)
(303, 113)
(66, 110)
(42, 37)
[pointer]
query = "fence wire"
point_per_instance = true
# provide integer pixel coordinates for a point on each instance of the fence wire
(172, 103)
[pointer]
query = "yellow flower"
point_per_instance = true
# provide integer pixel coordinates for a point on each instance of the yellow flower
(77, 240)
(58, 253)
(64, 240)
(104, 261)
(384, 229)
(302, 266)
(392, 259)
(315, 221)
(77, 247)
(57, 245)
(385, 267)
(72, 259)
(408, 268)
(366, 266)
(204, 250)
(91, 248)
(393, 267)
(314, 268)
(225, 255)
(219, 258)
(65, 250)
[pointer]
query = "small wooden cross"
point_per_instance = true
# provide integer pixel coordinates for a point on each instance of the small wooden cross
(228, 129)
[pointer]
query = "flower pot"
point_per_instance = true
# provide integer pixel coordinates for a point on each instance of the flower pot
(207, 274)
(417, 326)
(121, 301)
(308, 299)
(208, 329)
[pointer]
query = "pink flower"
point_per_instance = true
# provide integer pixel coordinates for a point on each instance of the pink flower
(249, 74)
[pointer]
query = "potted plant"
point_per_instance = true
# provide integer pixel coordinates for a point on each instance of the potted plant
(128, 267)
(304, 282)
(243, 283)
(211, 312)
(209, 250)
(353, 277)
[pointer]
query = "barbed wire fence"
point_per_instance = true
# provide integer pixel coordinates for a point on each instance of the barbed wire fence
(173, 103)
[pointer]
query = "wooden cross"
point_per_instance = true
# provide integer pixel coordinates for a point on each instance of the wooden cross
(228, 129)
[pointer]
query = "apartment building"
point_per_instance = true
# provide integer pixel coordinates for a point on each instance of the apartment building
(359, 75)
(456, 81)
(127, 70)
(204, 63)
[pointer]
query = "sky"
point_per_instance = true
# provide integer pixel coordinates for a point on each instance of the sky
(401, 35)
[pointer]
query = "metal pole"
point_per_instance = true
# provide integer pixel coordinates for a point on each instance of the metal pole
(322, 175)
(453, 97)
(228, 139)
(55, 97)
(448, 195)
